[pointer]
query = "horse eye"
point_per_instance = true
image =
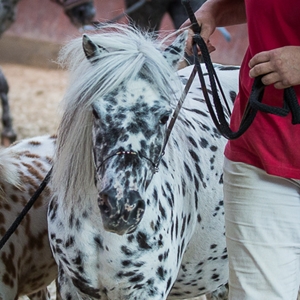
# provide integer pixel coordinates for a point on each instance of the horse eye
(95, 114)
(164, 120)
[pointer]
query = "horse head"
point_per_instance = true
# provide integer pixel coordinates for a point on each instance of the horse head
(129, 124)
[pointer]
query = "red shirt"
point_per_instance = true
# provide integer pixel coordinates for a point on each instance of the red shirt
(272, 142)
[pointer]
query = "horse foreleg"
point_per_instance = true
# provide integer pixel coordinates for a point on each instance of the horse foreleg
(8, 134)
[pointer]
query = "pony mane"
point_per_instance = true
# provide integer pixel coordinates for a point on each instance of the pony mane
(130, 54)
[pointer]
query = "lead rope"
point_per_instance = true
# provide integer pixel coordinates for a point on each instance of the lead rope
(254, 103)
(175, 115)
(25, 210)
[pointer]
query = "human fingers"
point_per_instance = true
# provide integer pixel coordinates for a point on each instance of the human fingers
(189, 43)
(259, 58)
(280, 66)
(260, 68)
(270, 78)
(210, 47)
(205, 34)
(266, 69)
(206, 24)
(189, 48)
(275, 79)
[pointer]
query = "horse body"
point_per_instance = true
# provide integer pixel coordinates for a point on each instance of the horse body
(26, 262)
(118, 228)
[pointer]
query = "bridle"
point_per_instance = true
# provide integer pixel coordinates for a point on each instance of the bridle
(155, 165)
(175, 115)
(69, 4)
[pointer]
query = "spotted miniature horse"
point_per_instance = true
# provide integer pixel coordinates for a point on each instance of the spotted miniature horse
(126, 221)
(26, 262)
(80, 12)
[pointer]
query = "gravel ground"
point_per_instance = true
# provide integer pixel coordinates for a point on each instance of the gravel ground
(34, 96)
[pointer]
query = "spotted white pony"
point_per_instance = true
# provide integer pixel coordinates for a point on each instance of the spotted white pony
(120, 228)
(26, 263)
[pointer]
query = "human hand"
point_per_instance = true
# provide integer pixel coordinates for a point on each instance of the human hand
(280, 67)
(207, 24)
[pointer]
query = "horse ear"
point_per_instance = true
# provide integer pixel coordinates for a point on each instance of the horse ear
(91, 50)
(174, 53)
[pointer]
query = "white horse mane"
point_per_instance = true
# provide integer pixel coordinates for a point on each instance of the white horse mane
(130, 53)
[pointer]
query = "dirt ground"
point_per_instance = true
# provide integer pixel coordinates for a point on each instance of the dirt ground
(34, 96)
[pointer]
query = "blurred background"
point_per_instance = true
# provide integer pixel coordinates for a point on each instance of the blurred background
(41, 27)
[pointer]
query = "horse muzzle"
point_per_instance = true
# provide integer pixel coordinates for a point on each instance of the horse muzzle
(120, 215)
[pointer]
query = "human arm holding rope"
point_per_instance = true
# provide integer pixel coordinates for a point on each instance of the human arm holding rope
(213, 14)
(281, 66)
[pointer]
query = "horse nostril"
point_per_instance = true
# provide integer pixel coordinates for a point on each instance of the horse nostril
(126, 215)
(103, 202)
(140, 204)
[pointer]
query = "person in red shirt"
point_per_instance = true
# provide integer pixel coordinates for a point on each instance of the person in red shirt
(262, 167)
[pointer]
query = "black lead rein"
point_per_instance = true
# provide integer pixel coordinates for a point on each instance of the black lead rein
(25, 210)
(175, 115)
(255, 100)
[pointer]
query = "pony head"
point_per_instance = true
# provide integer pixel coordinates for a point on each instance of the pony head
(128, 91)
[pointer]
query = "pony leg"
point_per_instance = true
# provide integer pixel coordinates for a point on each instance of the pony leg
(64, 287)
(8, 134)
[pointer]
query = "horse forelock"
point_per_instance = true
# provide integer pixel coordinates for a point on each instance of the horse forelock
(130, 54)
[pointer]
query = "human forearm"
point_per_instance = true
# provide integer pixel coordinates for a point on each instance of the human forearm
(216, 13)
(224, 12)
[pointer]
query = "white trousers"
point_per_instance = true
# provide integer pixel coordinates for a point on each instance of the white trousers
(262, 219)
